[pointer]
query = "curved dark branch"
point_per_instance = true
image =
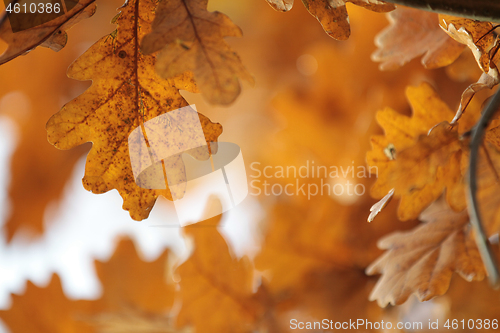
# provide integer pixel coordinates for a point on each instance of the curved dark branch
(487, 255)
(482, 10)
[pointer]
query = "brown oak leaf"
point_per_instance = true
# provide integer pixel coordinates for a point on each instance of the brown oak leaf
(426, 157)
(332, 15)
(213, 276)
(422, 261)
(479, 37)
(125, 93)
(192, 39)
(51, 34)
(413, 33)
(129, 285)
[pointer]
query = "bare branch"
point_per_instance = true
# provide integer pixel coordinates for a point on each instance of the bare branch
(481, 10)
(487, 255)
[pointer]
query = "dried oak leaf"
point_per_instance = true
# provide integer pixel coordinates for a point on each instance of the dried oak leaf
(128, 283)
(192, 39)
(425, 162)
(51, 34)
(479, 37)
(422, 261)
(332, 14)
(216, 288)
(413, 33)
(125, 93)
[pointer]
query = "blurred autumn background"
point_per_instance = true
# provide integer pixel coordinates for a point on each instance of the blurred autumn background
(73, 261)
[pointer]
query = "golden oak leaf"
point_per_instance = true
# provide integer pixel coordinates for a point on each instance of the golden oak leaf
(51, 34)
(216, 289)
(130, 285)
(125, 94)
(333, 14)
(47, 309)
(425, 159)
(192, 39)
(413, 33)
(422, 261)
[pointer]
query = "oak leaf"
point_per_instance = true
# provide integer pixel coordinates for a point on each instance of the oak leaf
(413, 33)
(192, 39)
(216, 288)
(129, 284)
(48, 310)
(332, 15)
(477, 35)
(484, 44)
(427, 156)
(51, 34)
(125, 93)
(422, 261)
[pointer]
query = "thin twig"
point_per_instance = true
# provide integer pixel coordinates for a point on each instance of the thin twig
(481, 10)
(487, 254)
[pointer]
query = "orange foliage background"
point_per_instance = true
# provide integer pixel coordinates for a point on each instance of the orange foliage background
(314, 99)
